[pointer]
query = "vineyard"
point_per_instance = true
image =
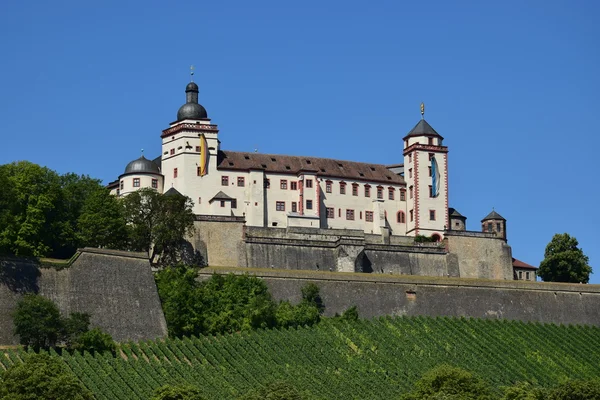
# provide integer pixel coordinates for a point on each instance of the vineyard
(367, 359)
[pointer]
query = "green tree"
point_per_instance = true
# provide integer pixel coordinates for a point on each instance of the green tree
(37, 322)
(179, 294)
(275, 391)
(177, 392)
(158, 223)
(452, 383)
(101, 222)
(576, 390)
(564, 261)
(311, 295)
(94, 341)
(523, 391)
(74, 326)
(7, 211)
(41, 377)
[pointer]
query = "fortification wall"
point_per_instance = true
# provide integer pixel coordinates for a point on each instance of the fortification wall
(480, 255)
(116, 288)
(377, 295)
(218, 239)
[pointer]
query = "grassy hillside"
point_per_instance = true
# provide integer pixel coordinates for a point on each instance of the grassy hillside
(376, 359)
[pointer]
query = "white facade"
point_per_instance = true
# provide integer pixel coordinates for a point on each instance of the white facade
(282, 191)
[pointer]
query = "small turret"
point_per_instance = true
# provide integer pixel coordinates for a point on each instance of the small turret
(494, 222)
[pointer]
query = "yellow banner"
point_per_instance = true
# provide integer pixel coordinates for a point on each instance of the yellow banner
(203, 155)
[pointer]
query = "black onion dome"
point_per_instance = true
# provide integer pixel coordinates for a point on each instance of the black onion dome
(142, 165)
(191, 109)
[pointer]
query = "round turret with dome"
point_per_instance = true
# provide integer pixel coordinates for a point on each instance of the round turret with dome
(191, 109)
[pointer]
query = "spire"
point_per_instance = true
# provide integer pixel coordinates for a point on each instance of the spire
(192, 68)
(422, 110)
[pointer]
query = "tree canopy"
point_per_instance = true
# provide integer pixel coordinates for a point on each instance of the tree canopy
(564, 261)
(41, 377)
(37, 322)
(178, 392)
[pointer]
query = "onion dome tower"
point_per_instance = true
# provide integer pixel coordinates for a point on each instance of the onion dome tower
(496, 223)
(141, 173)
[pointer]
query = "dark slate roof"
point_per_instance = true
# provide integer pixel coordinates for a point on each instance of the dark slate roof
(142, 165)
(422, 128)
(220, 196)
(520, 264)
(454, 213)
(493, 215)
(172, 192)
(293, 165)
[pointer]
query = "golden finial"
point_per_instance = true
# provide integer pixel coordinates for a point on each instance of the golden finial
(192, 68)
(422, 110)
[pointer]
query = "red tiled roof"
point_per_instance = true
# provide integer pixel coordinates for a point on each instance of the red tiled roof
(521, 264)
(324, 167)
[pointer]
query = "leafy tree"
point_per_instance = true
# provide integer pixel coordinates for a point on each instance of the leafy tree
(446, 382)
(41, 377)
(158, 223)
(350, 314)
(311, 295)
(74, 326)
(576, 390)
(94, 341)
(302, 314)
(179, 294)
(564, 261)
(101, 222)
(37, 322)
(523, 391)
(177, 392)
(275, 391)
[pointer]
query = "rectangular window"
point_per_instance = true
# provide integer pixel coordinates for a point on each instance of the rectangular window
(527, 275)
(490, 227)
(328, 187)
(354, 189)
(360, 215)
(412, 215)
(198, 169)
(498, 228)
(222, 203)
(224, 181)
(367, 191)
(268, 183)
(309, 183)
(369, 216)
(172, 151)
(241, 181)
(122, 184)
(342, 188)
(410, 172)
(520, 274)
(402, 195)
(430, 141)
(410, 192)
(430, 156)
(432, 215)
(380, 193)
(280, 206)
(410, 158)
(309, 204)
(174, 172)
(430, 191)
(391, 193)
(429, 171)
(136, 182)
(294, 206)
(283, 184)
(350, 215)
(330, 212)
(154, 183)
(294, 185)
(197, 149)
(234, 203)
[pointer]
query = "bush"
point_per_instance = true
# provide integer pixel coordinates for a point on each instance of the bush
(446, 382)
(37, 322)
(275, 391)
(41, 377)
(576, 390)
(178, 392)
(94, 341)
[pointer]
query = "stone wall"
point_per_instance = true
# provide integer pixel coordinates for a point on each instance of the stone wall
(116, 288)
(378, 294)
(218, 239)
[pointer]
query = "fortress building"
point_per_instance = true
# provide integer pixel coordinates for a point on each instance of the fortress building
(309, 198)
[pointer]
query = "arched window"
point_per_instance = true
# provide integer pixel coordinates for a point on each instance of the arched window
(401, 217)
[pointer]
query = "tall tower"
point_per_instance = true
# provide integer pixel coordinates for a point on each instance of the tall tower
(189, 149)
(426, 176)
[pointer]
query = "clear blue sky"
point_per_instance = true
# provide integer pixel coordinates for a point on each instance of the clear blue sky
(513, 86)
